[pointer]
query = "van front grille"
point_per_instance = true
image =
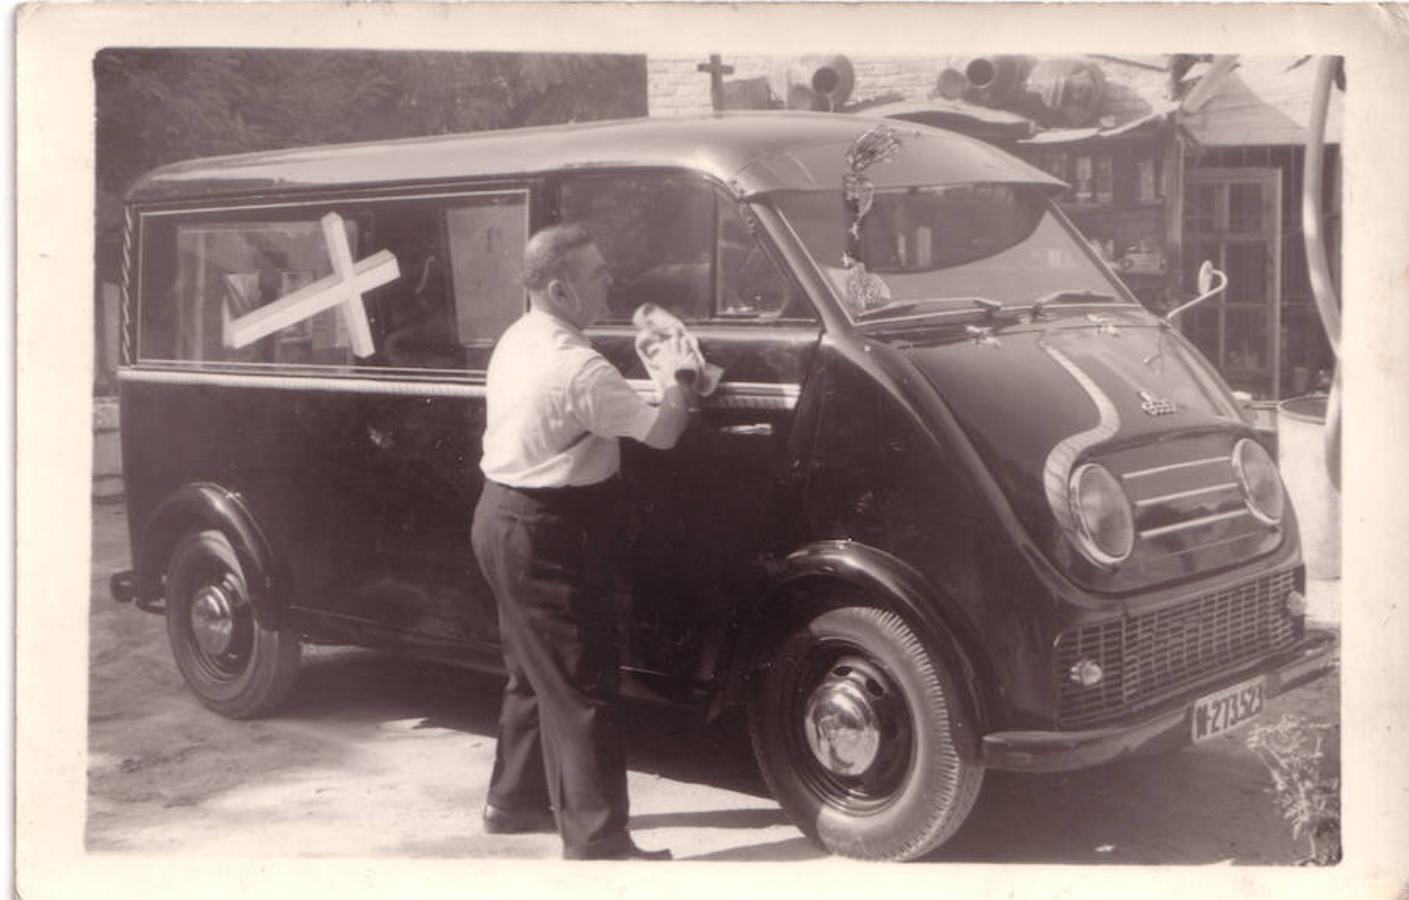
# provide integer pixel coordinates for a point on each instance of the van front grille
(1151, 654)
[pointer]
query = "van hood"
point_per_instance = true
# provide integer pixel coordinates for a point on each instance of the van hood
(1037, 397)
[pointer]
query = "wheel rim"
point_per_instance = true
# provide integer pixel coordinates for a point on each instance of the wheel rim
(852, 730)
(220, 626)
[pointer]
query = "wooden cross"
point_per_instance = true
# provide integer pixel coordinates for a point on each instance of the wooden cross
(343, 289)
(717, 70)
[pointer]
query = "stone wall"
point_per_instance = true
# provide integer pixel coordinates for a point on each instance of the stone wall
(107, 449)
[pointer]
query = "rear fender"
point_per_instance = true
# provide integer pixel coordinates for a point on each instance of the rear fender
(885, 581)
(198, 507)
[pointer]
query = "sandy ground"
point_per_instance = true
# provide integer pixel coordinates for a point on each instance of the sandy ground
(382, 757)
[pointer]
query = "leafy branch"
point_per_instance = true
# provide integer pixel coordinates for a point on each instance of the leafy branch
(1304, 761)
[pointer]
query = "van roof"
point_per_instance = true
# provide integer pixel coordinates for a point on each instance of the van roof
(752, 152)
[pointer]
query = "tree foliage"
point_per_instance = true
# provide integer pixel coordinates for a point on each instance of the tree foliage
(156, 106)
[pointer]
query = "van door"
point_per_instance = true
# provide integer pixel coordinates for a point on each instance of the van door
(702, 514)
(419, 446)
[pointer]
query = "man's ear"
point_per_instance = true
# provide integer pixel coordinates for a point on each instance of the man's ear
(564, 297)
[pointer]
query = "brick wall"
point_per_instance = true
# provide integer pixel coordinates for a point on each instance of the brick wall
(675, 87)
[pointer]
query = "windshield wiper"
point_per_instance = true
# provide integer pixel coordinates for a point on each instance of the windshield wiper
(1071, 296)
(881, 312)
(954, 304)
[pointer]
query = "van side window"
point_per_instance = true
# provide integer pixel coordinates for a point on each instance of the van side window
(656, 232)
(461, 284)
(198, 272)
(751, 285)
(487, 239)
(675, 241)
(458, 283)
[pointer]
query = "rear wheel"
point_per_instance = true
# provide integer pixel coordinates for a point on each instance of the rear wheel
(234, 664)
(862, 737)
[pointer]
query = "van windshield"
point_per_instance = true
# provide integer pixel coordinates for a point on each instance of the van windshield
(940, 248)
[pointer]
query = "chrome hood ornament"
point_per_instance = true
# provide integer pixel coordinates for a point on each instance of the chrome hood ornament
(864, 289)
(1156, 406)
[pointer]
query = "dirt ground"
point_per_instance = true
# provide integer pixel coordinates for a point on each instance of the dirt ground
(382, 757)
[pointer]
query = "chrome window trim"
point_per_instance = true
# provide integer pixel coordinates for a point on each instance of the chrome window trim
(730, 395)
(355, 198)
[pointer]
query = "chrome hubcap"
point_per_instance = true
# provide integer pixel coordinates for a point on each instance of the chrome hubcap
(212, 622)
(842, 722)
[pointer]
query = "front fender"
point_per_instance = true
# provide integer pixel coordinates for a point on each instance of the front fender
(200, 506)
(887, 581)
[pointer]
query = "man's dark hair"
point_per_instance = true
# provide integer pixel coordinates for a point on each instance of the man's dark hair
(547, 253)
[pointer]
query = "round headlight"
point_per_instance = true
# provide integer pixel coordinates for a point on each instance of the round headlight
(1257, 476)
(1104, 524)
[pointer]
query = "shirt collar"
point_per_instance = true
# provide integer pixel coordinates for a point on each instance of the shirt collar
(543, 318)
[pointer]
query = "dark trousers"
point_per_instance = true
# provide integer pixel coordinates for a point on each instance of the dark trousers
(545, 554)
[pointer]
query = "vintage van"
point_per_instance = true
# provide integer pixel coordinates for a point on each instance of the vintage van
(959, 503)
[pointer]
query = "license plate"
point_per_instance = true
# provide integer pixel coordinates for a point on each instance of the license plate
(1227, 709)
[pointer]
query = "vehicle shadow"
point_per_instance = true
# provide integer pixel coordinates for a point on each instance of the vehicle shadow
(678, 744)
(1190, 807)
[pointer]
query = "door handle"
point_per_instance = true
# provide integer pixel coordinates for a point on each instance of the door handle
(762, 429)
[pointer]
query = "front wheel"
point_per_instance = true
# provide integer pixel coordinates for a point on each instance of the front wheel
(862, 737)
(232, 662)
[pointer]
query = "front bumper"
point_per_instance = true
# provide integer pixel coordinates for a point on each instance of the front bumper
(1164, 729)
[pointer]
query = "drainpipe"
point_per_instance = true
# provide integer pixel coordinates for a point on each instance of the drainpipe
(1327, 304)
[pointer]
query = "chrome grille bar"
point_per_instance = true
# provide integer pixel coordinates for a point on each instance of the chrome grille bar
(1184, 495)
(1192, 523)
(1142, 473)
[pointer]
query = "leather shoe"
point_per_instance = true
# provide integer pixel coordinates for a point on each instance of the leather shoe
(511, 821)
(626, 851)
(635, 852)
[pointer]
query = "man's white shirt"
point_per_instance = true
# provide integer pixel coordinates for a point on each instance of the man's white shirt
(556, 408)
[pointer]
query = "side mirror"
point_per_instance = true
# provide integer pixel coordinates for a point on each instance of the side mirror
(1205, 276)
(1208, 275)
(1245, 407)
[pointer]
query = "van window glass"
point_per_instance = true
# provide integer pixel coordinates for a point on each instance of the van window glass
(751, 284)
(198, 273)
(951, 243)
(487, 241)
(657, 234)
(675, 241)
(457, 284)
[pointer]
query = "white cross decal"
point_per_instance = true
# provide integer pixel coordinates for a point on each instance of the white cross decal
(343, 289)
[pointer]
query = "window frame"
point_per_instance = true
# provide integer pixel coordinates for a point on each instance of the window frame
(320, 203)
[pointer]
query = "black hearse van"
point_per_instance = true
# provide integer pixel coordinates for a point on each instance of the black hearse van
(960, 502)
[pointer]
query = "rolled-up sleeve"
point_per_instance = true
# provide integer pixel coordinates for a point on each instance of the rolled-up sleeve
(606, 404)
